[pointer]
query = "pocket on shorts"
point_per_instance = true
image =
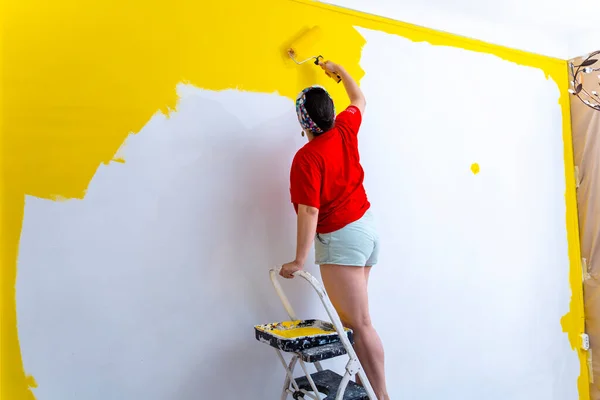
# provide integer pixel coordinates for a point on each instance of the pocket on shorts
(324, 238)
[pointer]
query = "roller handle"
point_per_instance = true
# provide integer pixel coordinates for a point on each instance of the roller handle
(336, 78)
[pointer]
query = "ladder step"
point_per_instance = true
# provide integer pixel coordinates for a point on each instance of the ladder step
(324, 352)
(327, 382)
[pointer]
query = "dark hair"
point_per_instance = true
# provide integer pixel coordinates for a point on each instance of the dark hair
(320, 108)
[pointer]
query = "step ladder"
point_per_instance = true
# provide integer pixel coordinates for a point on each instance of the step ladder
(310, 342)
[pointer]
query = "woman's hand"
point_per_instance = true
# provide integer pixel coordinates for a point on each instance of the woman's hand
(287, 271)
(332, 70)
(329, 66)
(357, 98)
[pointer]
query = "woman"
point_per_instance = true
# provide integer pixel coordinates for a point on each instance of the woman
(330, 200)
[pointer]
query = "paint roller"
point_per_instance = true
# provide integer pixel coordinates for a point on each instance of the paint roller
(304, 45)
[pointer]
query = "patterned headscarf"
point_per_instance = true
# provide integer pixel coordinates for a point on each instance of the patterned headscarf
(305, 121)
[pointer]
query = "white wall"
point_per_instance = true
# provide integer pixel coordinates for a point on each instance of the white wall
(585, 39)
(149, 287)
(551, 27)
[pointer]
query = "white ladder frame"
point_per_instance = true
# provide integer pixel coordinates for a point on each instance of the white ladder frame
(353, 366)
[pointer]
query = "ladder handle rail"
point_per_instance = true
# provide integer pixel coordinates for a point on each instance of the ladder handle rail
(273, 273)
(333, 316)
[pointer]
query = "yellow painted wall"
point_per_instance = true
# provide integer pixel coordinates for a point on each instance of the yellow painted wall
(78, 77)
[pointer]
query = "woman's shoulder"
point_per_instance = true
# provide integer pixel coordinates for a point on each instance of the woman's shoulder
(308, 154)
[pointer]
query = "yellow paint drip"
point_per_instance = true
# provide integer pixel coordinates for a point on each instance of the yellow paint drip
(475, 168)
(78, 77)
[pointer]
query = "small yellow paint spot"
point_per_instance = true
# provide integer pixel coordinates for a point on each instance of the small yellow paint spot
(119, 160)
(475, 168)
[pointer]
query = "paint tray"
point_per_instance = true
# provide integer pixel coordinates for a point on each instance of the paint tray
(294, 336)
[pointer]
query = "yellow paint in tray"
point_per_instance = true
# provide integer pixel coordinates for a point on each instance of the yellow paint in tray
(292, 329)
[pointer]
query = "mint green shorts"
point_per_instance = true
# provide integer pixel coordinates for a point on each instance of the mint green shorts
(356, 244)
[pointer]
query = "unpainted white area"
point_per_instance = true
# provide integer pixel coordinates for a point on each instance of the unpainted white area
(586, 39)
(149, 287)
(551, 27)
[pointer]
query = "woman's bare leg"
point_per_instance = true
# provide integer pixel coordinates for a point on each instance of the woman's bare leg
(347, 289)
(367, 272)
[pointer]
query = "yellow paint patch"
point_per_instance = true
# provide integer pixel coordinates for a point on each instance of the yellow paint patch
(475, 168)
(573, 323)
(78, 77)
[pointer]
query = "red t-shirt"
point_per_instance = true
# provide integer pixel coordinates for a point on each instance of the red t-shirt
(326, 174)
